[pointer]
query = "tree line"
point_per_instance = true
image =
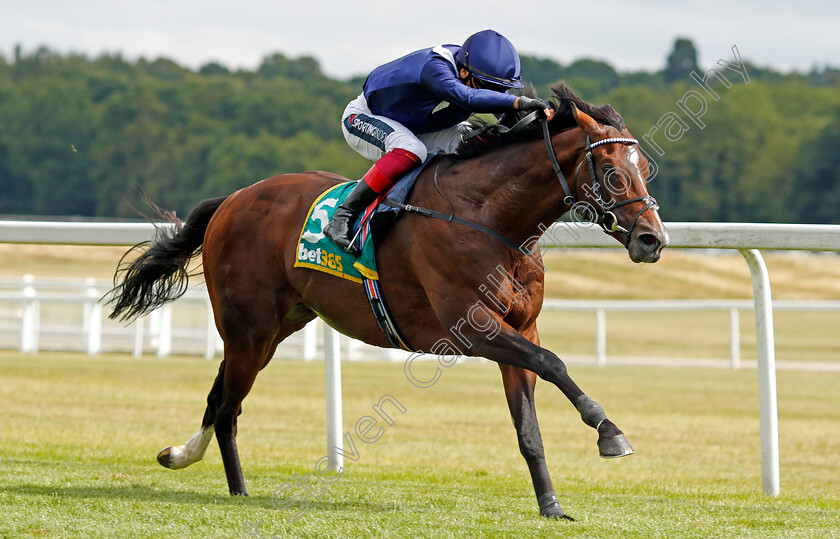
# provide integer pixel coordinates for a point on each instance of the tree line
(92, 136)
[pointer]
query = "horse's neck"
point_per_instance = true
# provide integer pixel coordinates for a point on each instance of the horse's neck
(514, 190)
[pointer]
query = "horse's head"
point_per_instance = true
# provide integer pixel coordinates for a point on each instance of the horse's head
(611, 189)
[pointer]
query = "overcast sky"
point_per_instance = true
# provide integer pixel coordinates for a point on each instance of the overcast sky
(350, 38)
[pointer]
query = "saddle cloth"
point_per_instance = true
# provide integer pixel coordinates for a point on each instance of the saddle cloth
(316, 251)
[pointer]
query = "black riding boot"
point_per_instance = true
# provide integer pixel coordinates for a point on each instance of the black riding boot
(340, 228)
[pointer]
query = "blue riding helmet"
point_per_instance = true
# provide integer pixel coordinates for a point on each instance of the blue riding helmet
(491, 57)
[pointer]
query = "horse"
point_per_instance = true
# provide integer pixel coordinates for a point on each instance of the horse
(510, 184)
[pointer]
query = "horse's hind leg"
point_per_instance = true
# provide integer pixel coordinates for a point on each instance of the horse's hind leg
(247, 351)
(236, 376)
(181, 456)
(177, 457)
(242, 363)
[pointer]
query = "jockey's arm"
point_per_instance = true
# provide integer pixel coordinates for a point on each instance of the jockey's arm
(438, 78)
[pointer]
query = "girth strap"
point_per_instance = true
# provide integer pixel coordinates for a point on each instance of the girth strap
(383, 315)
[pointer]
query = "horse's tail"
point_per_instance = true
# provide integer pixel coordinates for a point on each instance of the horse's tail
(160, 274)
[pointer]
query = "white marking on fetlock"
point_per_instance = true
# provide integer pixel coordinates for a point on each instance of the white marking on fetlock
(191, 452)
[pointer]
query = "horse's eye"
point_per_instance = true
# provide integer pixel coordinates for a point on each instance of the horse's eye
(607, 168)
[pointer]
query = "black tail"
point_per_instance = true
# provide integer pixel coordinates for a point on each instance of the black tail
(160, 274)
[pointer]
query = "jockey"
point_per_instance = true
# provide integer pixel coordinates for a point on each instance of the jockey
(418, 105)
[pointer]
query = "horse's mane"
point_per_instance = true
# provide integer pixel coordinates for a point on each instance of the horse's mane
(562, 98)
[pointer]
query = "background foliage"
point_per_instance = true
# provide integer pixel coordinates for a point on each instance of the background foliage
(81, 136)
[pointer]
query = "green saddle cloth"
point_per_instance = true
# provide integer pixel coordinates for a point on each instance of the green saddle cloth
(316, 251)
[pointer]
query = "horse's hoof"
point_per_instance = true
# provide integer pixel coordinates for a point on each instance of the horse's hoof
(556, 513)
(550, 508)
(165, 457)
(615, 447)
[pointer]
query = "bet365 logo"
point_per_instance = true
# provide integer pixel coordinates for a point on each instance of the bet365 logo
(322, 258)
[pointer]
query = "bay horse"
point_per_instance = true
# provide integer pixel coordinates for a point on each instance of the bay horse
(430, 270)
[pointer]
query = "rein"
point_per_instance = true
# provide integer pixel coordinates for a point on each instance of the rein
(452, 218)
(501, 129)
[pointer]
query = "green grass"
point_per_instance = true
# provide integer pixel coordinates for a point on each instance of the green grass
(79, 436)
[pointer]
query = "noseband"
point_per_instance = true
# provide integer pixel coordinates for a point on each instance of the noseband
(605, 217)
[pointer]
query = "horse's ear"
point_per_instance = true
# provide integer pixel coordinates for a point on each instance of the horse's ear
(584, 120)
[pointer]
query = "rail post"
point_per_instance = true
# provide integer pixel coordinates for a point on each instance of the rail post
(92, 318)
(29, 317)
(309, 345)
(332, 374)
(164, 343)
(137, 352)
(734, 338)
(768, 416)
(601, 338)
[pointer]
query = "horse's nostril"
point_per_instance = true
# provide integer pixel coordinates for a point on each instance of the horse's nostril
(648, 241)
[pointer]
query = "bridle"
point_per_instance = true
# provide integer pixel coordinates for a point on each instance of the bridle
(604, 215)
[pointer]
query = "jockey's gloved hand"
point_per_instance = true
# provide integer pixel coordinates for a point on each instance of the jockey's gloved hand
(528, 103)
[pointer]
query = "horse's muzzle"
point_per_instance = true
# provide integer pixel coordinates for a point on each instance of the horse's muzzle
(647, 243)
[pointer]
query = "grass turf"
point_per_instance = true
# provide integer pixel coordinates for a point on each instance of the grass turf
(79, 436)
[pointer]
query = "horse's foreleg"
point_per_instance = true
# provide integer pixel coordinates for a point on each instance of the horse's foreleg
(519, 390)
(611, 441)
(506, 345)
